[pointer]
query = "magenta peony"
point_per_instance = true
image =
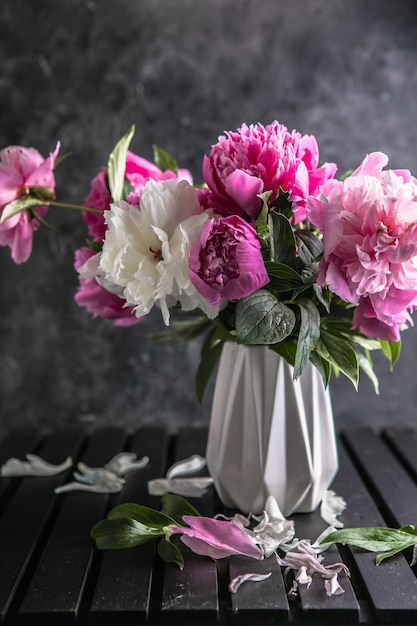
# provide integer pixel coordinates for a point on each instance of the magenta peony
(226, 261)
(99, 301)
(22, 170)
(138, 172)
(256, 159)
(369, 225)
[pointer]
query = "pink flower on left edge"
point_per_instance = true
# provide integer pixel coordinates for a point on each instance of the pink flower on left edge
(369, 226)
(216, 538)
(138, 172)
(226, 261)
(20, 170)
(256, 159)
(96, 299)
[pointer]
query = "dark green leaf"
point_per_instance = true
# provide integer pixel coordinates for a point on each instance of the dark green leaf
(287, 349)
(114, 534)
(309, 246)
(309, 333)
(322, 365)
(164, 160)
(261, 319)
(340, 354)
(96, 246)
(116, 166)
(210, 354)
(143, 514)
(365, 363)
(282, 240)
(282, 277)
(175, 507)
(392, 350)
(170, 553)
(372, 539)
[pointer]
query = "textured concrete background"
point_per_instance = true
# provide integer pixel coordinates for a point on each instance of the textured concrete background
(82, 71)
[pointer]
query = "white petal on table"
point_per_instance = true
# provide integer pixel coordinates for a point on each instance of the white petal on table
(34, 466)
(125, 462)
(193, 464)
(243, 578)
(187, 487)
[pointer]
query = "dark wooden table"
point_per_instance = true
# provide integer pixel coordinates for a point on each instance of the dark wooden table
(50, 572)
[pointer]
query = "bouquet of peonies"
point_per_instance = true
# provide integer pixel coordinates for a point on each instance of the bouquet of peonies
(272, 249)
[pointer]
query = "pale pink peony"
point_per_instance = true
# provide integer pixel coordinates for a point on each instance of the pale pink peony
(217, 539)
(226, 261)
(369, 225)
(138, 172)
(256, 159)
(97, 300)
(20, 170)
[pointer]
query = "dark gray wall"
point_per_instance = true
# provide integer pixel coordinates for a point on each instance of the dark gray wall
(83, 71)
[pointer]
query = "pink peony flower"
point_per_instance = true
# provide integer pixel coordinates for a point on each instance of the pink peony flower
(97, 300)
(20, 170)
(226, 261)
(260, 158)
(138, 172)
(369, 225)
(216, 538)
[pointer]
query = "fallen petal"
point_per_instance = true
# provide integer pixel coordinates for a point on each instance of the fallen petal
(35, 466)
(193, 464)
(243, 578)
(187, 487)
(333, 587)
(125, 462)
(331, 507)
(98, 488)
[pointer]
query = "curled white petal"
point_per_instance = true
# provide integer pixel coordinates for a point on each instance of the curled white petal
(332, 586)
(243, 578)
(125, 462)
(35, 466)
(193, 464)
(187, 487)
(331, 507)
(96, 488)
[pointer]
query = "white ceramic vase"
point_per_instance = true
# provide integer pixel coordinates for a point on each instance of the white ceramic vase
(269, 434)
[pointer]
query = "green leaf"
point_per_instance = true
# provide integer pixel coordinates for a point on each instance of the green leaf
(164, 160)
(262, 219)
(392, 350)
(309, 333)
(322, 365)
(287, 349)
(170, 553)
(23, 204)
(114, 534)
(261, 319)
(365, 364)
(142, 514)
(210, 354)
(309, 246)
(96, 246)
(282, 239)
(282, 277)
(175, 507)
(373, 539)
(116, 166)
(340, 354)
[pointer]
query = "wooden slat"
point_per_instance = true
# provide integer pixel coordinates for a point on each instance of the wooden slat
(55, 592)
(391, 484)
(391, 588)
(193, 592)
(27, 515)
(404, 442)
(259, 600)
(123, 590)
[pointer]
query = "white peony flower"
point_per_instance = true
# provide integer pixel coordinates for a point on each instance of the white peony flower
(146, 251)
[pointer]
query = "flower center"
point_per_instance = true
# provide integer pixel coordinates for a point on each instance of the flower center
(157, 254)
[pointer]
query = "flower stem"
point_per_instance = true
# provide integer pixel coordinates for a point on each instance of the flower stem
(76, 207)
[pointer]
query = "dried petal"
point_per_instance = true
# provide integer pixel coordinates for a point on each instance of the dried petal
(193, 464)
(332, 506)
(187, 487)
(125, 462)
(243, 578)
